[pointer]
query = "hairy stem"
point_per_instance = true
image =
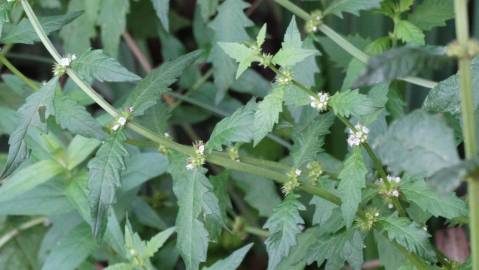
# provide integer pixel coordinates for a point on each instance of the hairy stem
(469, 124)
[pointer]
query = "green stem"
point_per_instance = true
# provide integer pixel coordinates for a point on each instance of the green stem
(345, 44)
(17, 73)
(256, 231)
(469, 125)
(23, 227)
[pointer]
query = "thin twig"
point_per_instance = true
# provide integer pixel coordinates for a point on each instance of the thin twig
(23, 227)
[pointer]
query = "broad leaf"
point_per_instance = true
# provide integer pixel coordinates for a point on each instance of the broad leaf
(37, 107)
(232, 262)
(409, 235)
(97, 65)
(418, 143)
(337, 7)
(409, 33)
(79, 149)
(244, 55)
(267, 114)
(234, 128)
(112, 20)
(288, 57)
(347, 103)
(400, 62)
(432, 13)
(74, 117)
(23, 32)
(283, 227)
(148, 90)
(353, 180)
(105, 170)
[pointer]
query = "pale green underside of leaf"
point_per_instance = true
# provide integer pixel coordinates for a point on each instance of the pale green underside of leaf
(97, 65)
(243, 55)
(410, 33)
(353, 180)
(418, 143)
(148, 90)
(162, 8)
(337, 7)
(104, 178)
(283, 229)
(232, 262)
(24, 33)
(234, 128)
(112, 21)
(267, 114)
(29, 113)
(289, 56)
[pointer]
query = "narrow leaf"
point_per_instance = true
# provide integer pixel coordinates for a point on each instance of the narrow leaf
(162, 8)
(232, 262)
(267, 114)
(337, 7)
(157, 241)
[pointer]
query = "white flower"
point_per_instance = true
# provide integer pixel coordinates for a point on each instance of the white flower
(376, 214)
(358, 136)
(297, 172)
(395, 179)
(167, 135)
(67, 60)
(190, 166)
(390, 206)
(122, 120)
(395, 193)
(320, 103)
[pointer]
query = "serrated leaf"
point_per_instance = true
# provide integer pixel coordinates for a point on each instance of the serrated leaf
(23, 32)
(232, 262)
(399, 62)
(409, 33)
(261, 37)
(97, 65)
(432, 13)
(104, 178)
(389, 255)
(288, 57)
(445, 205)
(29, 177)
(162, 8)
(112, 20)
(195, 199)
(283, 226)
(267, 114)
(74, 117)
(353, 180)
(71, 249)
(29, 117)
(409, 235)
(297, 258)
(79, 149)
(244, 55)
(308, 141)
(157, 241)
(229, 26)
(350, 6)
(234, 128)
(418, 143)
(148, 90)
(347, 103)
(76, 36)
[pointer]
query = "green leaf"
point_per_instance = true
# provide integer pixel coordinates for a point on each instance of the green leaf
(195, 199)
(79, 149)
(350, 6)
(353, 180)
(338, 56)
(288, 57)
(71, 249)
(432, 13)
(120, 266)
(97, 65)
(283, 227)
(207, 8)
(323, 208)
(76, 36)
(308, 141)
(445, 205)
(261, 37)
(244, 55)
(234, 128)
(347, 103)
(8, 121)
(389, 255)
(232, 262)
(418, 143)
(267, 114)
(112, 20)
(29, 117)
(297, 258)
(409, 33)
(23, 32)
(157, 241)
(162, 8)
(148, 90)
(409, 235)
(105, 170)
(400, 62)
(229, 26)
(72, 116)
(29, 177)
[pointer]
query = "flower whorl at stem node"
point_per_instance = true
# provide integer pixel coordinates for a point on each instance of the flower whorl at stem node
(314, 171)
(460, 51)
(320, 103)
(358, 136)
(293, 182)
(163, 149)
(312, 26)
(389, 190)
(233, 153)
(199, 158)
(61, 67)
(285, 78)
(367, 220)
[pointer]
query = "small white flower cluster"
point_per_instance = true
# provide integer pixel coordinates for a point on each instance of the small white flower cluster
(293, 182)
(199, 159)
(120, 122)
(312, 26)
(320, 103)
(61, 67)
(285, 78)
(358, 135)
